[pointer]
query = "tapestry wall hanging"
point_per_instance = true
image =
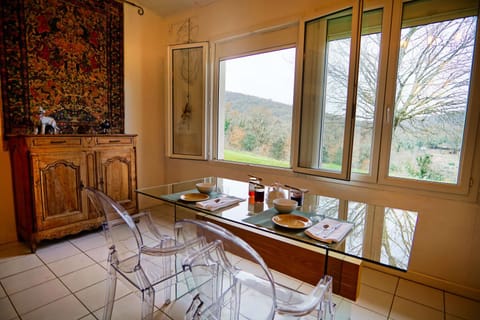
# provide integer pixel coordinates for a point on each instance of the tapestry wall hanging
(64, 57)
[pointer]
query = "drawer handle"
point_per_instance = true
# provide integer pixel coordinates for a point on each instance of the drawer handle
(113, 141)
(58, 141)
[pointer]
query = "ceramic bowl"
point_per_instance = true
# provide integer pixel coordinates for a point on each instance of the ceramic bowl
(284, 205)
(205, 187)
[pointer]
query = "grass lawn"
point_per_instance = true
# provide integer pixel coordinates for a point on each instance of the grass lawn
(247, 157)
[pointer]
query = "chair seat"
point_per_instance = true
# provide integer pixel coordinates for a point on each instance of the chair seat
(152, 268)
(223, 290)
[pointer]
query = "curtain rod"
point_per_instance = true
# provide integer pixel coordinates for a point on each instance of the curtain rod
(140, 9)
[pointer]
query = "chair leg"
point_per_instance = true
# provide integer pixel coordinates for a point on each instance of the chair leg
(111, 286)
(167, 271)
(237, 292)
(330, 305)
(148, 299)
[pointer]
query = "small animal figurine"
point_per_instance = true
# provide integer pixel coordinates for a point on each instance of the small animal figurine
(46, 121)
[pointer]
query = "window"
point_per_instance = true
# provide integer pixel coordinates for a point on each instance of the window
(435, 59)
(407, 90)
(325, 118)
(257, 104)
(255, 83)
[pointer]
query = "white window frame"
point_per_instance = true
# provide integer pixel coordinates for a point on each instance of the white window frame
(391, 28)
(259, 41)
(465, 179)
(356, 6)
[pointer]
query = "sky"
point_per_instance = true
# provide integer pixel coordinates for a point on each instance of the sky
(268, 75)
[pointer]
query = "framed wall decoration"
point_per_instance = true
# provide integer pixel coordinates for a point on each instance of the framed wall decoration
(187, 100)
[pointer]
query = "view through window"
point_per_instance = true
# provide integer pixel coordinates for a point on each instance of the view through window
(255, 108)
(426, 102)
(433, 80)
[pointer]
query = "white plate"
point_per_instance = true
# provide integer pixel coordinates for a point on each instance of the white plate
(194, 197)
(291, 221)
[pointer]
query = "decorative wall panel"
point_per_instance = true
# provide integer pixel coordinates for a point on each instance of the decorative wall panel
(65, 57)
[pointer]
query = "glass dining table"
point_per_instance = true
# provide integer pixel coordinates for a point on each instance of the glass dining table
(381, 235)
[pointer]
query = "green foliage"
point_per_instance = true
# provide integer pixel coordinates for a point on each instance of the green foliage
(423, 170)
(257, 125)
(227, 125)
(278, 149)
(249, 142)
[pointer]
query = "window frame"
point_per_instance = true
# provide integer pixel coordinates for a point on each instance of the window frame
(465, 179)
(345, 173)
(378, 177)
(173, 107)
(248, 44)
(387, 72)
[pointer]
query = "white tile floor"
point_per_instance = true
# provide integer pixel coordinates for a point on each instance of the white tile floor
(66, 280)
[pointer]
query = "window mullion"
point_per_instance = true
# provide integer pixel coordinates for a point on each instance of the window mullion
(352, 89)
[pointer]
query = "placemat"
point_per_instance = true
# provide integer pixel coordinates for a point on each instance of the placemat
(174, 197)
(264, 218)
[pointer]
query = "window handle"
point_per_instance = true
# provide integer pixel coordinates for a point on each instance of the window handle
(387, 115)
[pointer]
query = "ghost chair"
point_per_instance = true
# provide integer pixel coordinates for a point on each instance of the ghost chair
(145, 258)
(224, 286)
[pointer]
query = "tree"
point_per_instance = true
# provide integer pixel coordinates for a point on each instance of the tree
(433, 78)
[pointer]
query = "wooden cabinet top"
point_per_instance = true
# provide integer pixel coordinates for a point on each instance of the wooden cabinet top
(73, 141)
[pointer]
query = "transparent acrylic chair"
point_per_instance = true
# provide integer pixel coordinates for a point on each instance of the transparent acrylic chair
(227, 287)
(146, 259)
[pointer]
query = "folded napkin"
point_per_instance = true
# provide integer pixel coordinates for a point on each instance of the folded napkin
(215, 204)
(329, 230)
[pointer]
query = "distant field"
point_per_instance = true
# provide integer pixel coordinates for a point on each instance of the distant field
(246, 157)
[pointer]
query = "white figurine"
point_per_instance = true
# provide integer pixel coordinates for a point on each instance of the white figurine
(46, 121)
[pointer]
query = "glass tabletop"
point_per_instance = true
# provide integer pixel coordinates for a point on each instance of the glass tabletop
(381, 235)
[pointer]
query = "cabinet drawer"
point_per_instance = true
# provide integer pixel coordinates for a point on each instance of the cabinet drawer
(58, 141)
(114, 140)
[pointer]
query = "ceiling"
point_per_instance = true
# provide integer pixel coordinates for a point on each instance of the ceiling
(168, 7)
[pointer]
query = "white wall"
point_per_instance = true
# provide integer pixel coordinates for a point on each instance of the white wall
(445, 252)
(144, 93)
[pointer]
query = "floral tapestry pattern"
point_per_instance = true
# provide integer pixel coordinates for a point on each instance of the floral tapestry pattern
(65, 57)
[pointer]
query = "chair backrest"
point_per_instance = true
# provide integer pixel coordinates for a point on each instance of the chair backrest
(122, 233)
(223, 282)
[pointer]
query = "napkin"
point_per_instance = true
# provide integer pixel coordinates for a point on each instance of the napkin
(218, 203)
(329, 230)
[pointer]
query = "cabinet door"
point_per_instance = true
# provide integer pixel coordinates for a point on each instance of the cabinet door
(117, 175)
(57, 179)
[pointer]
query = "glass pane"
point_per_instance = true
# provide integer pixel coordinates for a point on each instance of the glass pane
(187, 101)
(255, 108)
(434, 69)
(357, 213)
(367, 91)
(399, 228)
(324, 96)
(328, 207)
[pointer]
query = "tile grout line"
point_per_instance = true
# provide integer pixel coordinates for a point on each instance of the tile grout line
(95, 262)
(393, 297)
(66, 287)
(11, 302)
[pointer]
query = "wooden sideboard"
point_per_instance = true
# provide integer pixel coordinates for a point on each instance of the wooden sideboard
(48, 172)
